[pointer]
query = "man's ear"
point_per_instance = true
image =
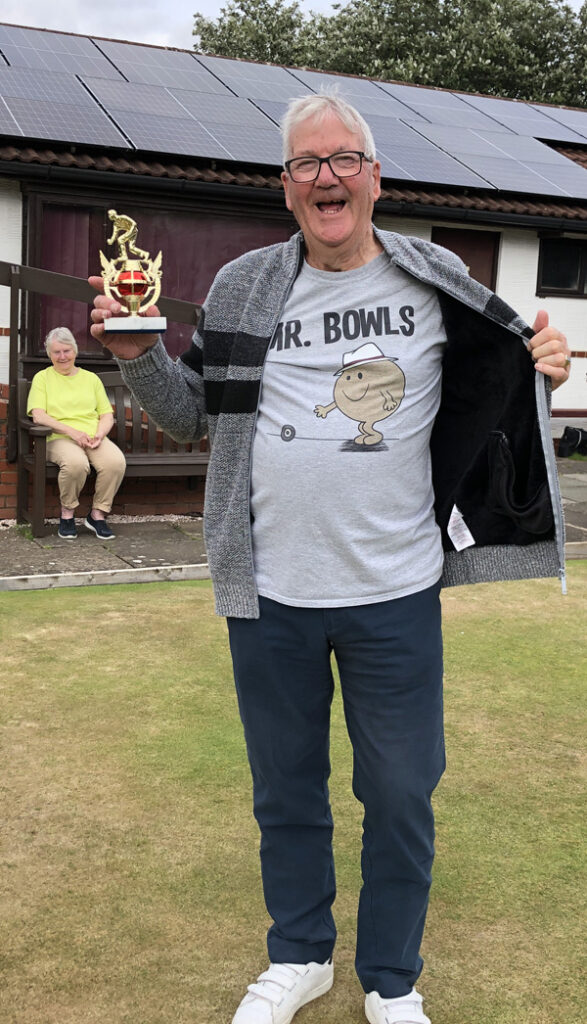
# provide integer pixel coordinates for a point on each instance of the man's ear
(285, 182)
(376, 171)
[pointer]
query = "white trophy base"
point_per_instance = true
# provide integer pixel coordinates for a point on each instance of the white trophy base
(135, 325)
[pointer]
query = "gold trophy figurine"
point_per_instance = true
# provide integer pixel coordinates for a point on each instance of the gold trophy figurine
(133, 279)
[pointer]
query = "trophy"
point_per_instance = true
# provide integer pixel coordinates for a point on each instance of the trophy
(133, 279)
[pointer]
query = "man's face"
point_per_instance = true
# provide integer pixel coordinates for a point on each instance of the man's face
(333, 213)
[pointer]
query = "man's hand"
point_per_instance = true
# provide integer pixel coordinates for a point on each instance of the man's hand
(549, 350)
(124, 346)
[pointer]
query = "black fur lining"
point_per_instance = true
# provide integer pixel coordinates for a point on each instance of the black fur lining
(487, 456)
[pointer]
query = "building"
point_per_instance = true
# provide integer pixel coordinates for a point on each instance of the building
(189, 146)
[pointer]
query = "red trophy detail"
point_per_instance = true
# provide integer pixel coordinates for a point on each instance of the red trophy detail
(133, 279)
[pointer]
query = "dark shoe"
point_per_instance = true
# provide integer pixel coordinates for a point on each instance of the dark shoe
(99, 526)
(67, 530)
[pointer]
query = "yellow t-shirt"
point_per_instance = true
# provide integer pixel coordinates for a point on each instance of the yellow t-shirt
(78, 400)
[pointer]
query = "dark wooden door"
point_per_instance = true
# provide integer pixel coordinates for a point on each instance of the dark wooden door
(478, 249)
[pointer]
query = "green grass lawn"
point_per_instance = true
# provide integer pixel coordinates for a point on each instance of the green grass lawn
(129, 880)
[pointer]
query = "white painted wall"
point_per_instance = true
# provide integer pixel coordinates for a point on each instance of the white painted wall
(516, 284)
(10, 251)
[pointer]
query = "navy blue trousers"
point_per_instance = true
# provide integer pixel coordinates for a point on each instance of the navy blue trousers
(389, 657)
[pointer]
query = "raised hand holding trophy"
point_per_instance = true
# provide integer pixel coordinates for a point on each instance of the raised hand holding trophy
(133, 279)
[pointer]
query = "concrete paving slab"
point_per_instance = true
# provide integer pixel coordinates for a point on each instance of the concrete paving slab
(84, 554)
(163, 543)
(19, 555)
(574, 487)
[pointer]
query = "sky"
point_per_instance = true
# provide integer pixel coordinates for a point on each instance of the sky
(161, 22)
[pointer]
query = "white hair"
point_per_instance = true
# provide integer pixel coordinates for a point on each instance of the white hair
(318, 107)
(62, 334)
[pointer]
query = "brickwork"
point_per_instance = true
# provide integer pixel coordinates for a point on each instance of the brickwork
(136, 497)
(7, 469)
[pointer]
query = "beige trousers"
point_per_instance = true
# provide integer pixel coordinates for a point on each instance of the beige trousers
(74, 466)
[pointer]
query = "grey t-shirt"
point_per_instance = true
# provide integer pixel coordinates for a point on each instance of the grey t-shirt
(341, 491)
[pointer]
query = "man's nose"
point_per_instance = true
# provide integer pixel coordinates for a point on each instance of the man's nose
(326, 175)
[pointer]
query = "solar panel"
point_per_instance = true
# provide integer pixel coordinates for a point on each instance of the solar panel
(519, 117)
(347, 85)
(436, 167)
(188, 123)
(52, 51)
(153, 65)
(457, 141)
(512, 176)
(41, 39)
(466, 141)
(65, 122)
(383, 105)
(573, 122)
(147, 101)
(528, 150)
(419, 158)
(254, 81)
(276, 111)
(180, 78)
(437, 107)
(8, 125)
(143, 54)
(210, 108)
(171, 135)
(391, 169)
(572, 179)
(253, 145)
(36, 85)
(512, 162)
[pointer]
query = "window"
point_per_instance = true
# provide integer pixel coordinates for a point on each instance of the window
(562, 267)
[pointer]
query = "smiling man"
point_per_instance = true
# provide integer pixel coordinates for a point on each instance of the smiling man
(323, 545)
(332, 199)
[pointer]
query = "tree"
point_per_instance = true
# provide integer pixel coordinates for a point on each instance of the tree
(523, 49)
(259, 30)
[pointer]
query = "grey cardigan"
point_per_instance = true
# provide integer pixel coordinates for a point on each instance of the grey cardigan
(491, 447)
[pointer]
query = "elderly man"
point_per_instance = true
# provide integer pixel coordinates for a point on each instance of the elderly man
(323, 542)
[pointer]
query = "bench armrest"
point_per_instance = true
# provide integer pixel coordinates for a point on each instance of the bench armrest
(35, 429)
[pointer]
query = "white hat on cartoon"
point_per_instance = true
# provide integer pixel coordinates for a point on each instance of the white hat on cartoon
(367, 353)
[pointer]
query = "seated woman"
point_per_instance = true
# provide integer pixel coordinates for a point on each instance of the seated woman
(74, 403)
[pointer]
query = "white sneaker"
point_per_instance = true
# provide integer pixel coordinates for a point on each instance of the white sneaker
(405, 1010)
(281, 990)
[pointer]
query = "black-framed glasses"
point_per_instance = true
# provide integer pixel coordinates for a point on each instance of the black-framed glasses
(343, 165)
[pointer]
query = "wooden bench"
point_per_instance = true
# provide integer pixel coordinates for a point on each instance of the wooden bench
(148, 451)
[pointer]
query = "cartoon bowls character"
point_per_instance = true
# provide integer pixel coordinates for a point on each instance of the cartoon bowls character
(370, 387)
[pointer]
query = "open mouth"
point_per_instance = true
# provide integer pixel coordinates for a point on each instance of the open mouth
(331, 207)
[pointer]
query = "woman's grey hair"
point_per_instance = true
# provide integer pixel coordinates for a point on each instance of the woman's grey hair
(62, 334)
(317, 107)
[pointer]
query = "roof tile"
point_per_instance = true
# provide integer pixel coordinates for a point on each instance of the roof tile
(452, 198)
